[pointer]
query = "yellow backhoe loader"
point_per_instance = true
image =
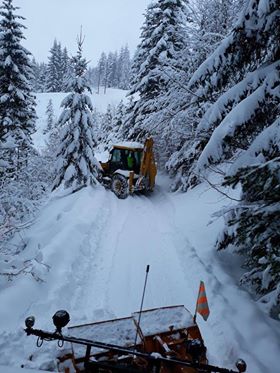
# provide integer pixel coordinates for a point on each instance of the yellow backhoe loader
(131, 168)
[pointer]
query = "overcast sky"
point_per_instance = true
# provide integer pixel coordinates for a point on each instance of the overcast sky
(107, 25)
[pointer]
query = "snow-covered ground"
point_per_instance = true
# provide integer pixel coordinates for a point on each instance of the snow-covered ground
(89, 252)
(98, 247)
(5, 369)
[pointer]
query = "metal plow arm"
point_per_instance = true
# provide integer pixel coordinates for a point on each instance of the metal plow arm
(153, 362)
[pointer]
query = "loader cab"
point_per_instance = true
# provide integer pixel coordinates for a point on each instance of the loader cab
(125, 159)
(130, 168)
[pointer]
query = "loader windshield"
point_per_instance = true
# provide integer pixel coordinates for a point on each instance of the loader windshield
(126, 159)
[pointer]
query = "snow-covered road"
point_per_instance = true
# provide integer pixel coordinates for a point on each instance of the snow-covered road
(97, 248)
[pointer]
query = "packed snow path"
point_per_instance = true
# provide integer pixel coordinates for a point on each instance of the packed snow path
(93, 250)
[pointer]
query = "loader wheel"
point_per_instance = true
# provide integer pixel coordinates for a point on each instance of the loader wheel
(119, 186)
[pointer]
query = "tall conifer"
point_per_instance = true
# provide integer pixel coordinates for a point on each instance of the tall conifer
(161, 46)
(239, 86)
(17, 105)
(76, 165)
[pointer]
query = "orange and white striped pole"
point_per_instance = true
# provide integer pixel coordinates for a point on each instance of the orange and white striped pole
(202, 304)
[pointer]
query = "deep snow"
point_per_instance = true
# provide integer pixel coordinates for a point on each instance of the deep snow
(91, 252)
(98, 247)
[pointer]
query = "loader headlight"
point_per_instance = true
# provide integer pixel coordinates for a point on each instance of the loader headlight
(60, 319)
(29, 322)
(241, 365)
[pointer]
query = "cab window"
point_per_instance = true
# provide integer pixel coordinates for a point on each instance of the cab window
(116, 155)
(138, 157)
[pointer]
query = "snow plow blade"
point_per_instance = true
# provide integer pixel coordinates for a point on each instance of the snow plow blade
(168, 340)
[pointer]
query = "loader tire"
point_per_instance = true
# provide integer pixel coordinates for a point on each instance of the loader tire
(119, 186)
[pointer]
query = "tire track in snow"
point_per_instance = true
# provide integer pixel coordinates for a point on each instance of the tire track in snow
(104, 260)
(120, 243)
(84, 302)
(143, 237)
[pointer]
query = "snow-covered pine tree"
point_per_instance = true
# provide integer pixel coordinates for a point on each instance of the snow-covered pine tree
(116, 71)
(97, 118)
(17, 105)
(142, 51)
(39, 72)
(253, 225)
(108, 119)
(240, 82)
(42, 79)
(205, 22)
(127, 123)
(61, 67)
(124, 68)
(107, 124)
(65, 69)
(101, 71)
(162, 42)
(211, 21)
(140, 57)
(49, 153)
(92, 76)
(119, 117)
(50, 117)
(111, 69)
(36, 74)
(55, 68)
(76, 165)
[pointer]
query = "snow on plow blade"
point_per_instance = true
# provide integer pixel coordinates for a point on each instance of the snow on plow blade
(167, 341)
